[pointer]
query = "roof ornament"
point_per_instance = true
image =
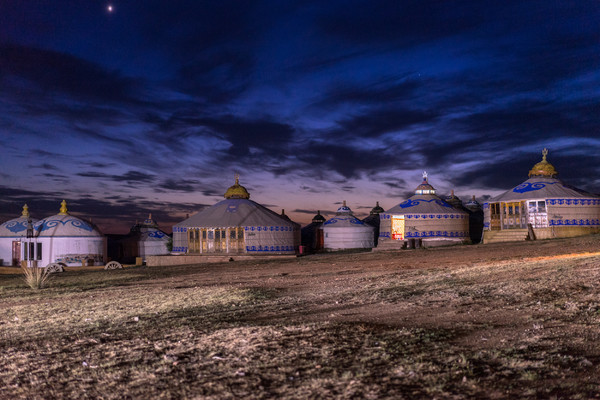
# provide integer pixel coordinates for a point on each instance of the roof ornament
(25, 212)
(237, 191)
(543, 168)
(63, 208)
(425, 176)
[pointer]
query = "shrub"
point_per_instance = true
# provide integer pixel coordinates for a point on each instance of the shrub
(35, 277)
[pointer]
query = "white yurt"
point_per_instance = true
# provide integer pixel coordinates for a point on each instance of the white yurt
(345, 231)
(144, 239)
(13, 234)
(542, 206)
(424, 216)
(66, 239)
(233, 226)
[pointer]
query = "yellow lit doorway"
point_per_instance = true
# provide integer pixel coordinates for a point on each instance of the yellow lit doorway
(398, 227)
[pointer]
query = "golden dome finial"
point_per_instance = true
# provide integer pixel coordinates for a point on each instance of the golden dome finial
(543, 168)
(63, 208)
(237, 191)
(25, 212)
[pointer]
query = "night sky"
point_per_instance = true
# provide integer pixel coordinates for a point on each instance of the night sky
(155, 105)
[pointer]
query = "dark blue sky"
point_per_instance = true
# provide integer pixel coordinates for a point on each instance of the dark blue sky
(153, 107)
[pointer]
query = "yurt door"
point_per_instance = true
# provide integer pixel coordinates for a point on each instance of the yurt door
(204, 247)
(398, 227)
(512, 215)
(495, 216)
(16, 253)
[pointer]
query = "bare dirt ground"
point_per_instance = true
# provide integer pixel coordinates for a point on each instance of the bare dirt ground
(518, 320)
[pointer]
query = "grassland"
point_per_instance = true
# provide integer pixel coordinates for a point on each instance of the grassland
(495, 321)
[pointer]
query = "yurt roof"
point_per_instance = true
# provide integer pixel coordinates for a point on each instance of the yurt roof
(345, 219)
(542, 184)
(235, 212)
(17, 227)
(424, 201)
(65, 225)
(541, 188)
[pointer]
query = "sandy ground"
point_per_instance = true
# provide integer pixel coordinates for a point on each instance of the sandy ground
(513, 320)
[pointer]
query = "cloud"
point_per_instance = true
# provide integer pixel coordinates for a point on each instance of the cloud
(53, 71)
(129, 177)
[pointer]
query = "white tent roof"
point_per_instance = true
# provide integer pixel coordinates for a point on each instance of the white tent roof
(235, 213)
(541, 187)
(424, 204)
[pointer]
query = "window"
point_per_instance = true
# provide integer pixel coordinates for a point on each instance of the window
(25, 251)
(211, 235)
(204, 234)
(232, 234)
(240, 233)
(31, 251)
(217, 235)
(39, 251)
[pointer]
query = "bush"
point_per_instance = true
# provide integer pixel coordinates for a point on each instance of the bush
(35, 277)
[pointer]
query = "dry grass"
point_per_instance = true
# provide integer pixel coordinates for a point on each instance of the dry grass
(35, 277)
(331, 326)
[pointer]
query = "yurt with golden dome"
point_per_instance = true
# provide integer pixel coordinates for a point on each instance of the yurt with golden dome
(542, 207)
(68, 240)
(13, 238)
(236, 225)
(344, 231)
(424, 217)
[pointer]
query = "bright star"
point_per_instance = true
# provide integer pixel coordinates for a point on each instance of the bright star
(109, 8)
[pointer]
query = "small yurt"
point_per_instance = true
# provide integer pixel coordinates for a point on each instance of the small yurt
(543, 207)
(13, 234)
(144, 239)
(233, 226)
(64, 238)
(374, 221)
(426, 217)
(312, 234)
(475, 211)
(345, 231)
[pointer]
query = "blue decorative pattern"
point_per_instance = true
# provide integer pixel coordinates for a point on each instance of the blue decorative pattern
(178, 229)
(384, 216)
(352, 220)
(269, 248)
(574, 222)
(486, 224)
(180, 249)
(46, 224)
(268, 228)
(16, 226)
(412, 203)
(574, 202)
(435, 216)
(384, 234)
(156, 234)
(486, 206)
(232, 208)
(530, 187)
(445, 234)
